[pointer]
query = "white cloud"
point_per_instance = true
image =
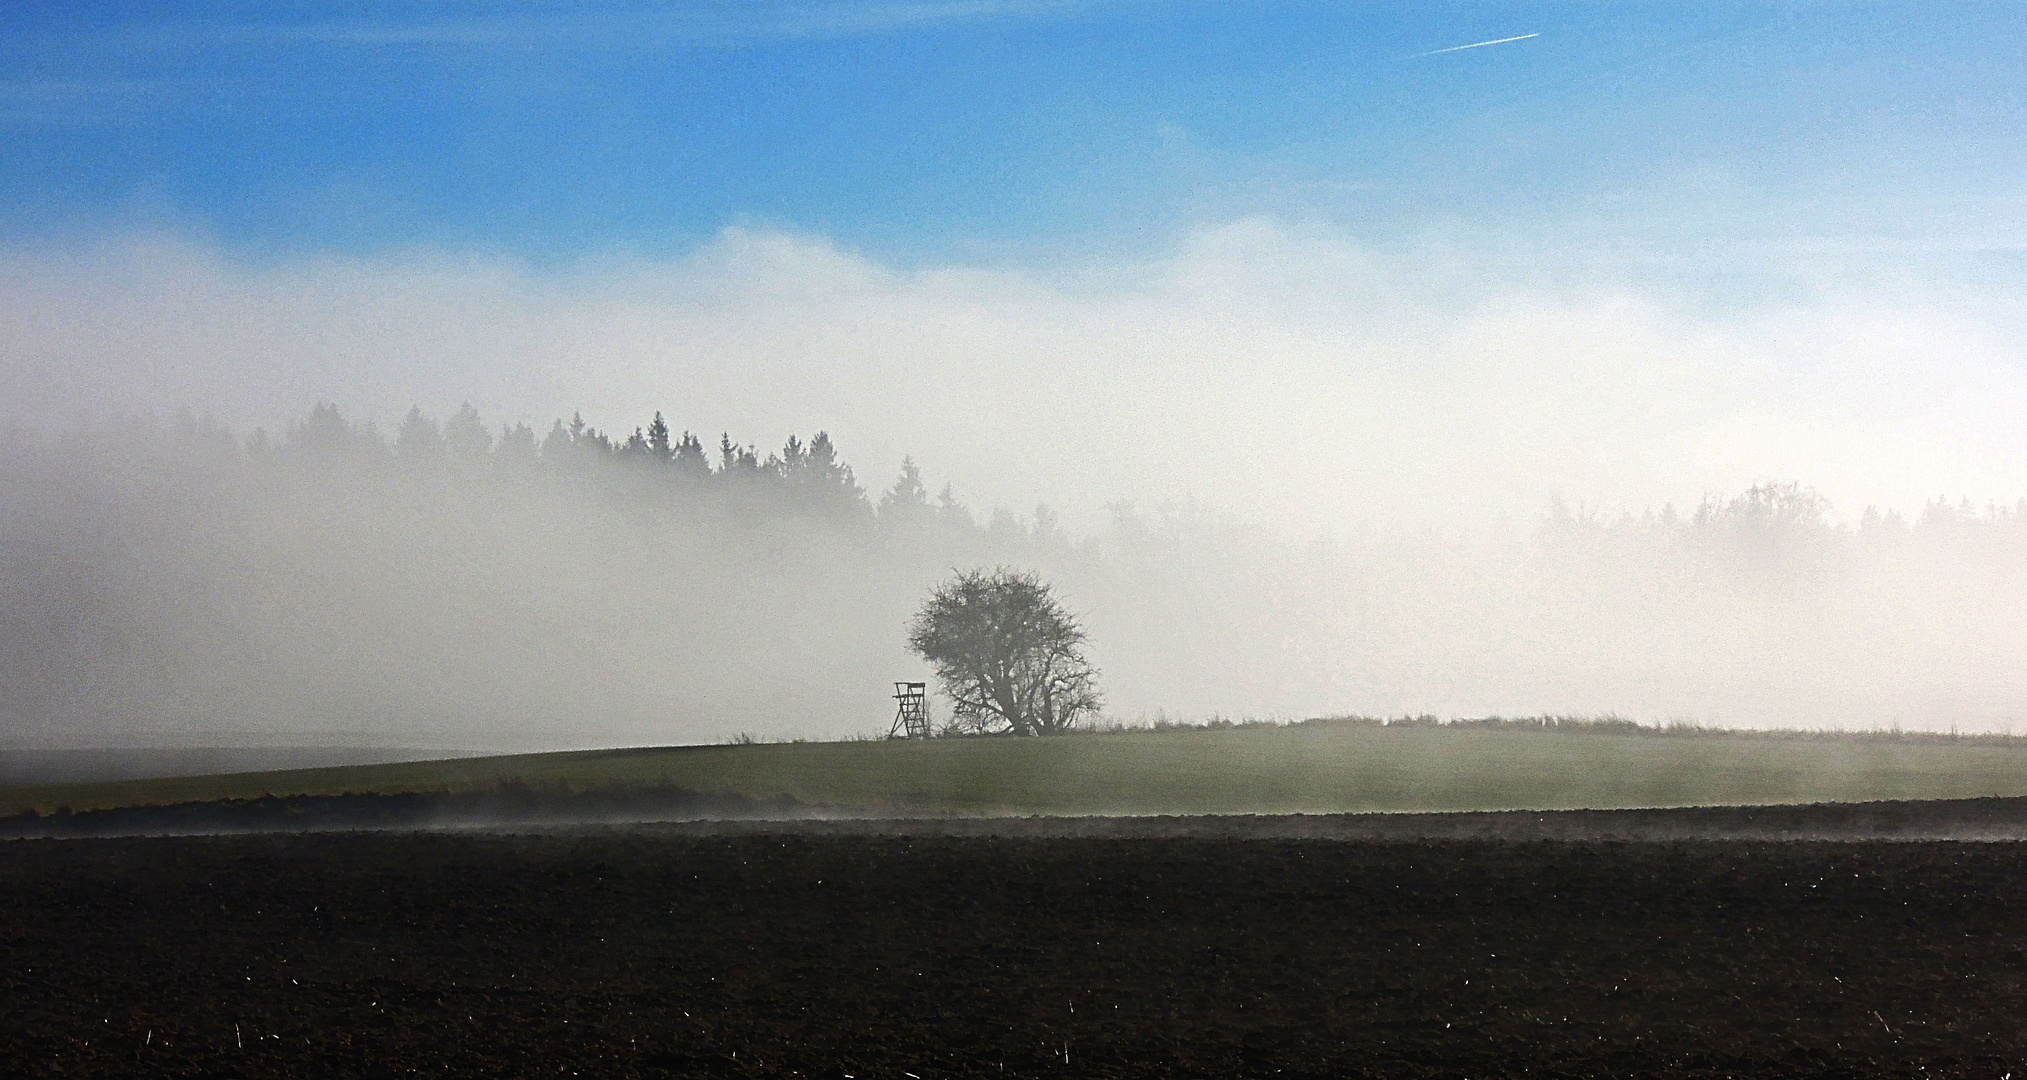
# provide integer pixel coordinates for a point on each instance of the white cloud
(1288, 374)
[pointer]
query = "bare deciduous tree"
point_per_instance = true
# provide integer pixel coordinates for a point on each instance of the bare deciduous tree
(1008, 654)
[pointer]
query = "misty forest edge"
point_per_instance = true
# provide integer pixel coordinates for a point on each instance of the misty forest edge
(1772, 528)
(814, 477)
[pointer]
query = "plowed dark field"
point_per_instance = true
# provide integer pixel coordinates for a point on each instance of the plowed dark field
(623, 953)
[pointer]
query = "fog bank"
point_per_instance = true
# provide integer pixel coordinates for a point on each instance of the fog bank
(1287, 374)
(462, 584)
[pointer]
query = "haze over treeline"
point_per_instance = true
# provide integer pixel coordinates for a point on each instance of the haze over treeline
(454, 585)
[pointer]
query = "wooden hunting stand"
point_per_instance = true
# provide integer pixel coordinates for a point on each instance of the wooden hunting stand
(911, 720)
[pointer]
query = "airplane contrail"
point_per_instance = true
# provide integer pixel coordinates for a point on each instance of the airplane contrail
(1475, 45)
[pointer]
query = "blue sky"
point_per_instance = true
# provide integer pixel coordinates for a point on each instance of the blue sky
(980, 130)
(1101, 250)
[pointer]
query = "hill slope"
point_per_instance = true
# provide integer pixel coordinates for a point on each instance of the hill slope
(1311, 768)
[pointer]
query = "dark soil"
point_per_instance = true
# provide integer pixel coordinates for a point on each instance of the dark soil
(664, 953)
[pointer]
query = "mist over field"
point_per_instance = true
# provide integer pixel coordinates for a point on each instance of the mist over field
(1655, 360)
(456, 584)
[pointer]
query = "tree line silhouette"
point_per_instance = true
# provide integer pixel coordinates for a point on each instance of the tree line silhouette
(802, 477)
(1772, 526)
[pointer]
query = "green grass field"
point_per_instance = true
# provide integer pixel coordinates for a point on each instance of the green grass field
(1317, 768)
